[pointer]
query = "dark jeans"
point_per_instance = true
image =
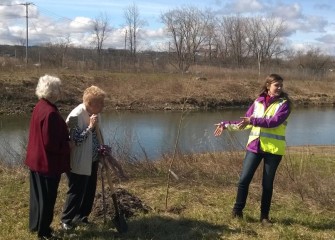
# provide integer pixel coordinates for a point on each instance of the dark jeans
(43, 194)
(250, 164)
(80, 196)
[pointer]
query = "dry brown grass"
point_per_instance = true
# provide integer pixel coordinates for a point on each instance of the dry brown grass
(219, 88)
(307, 172)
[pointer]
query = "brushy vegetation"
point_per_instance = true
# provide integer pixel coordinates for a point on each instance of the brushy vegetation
(204, 87)
(200, 202)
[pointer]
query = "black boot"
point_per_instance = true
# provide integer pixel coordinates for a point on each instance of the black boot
(265, 220)
(237, 214)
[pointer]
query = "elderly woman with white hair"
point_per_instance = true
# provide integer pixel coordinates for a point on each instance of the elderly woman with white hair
(82, 179)
(48, 156)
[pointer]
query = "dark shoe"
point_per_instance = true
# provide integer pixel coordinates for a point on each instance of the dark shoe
(237, 214)
(67, 226)
(266, 222)
(49, 234)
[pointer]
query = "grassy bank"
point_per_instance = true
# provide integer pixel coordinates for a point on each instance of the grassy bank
(215, 88)
(199, 203)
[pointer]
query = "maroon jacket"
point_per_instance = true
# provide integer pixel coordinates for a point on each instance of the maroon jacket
(48, 150)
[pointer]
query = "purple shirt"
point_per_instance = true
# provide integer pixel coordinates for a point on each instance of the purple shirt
(274, 121)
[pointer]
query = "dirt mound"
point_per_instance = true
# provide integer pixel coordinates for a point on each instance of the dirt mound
(129, 204)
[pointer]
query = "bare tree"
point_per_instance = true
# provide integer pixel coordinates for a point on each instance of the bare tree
(187, 28)
(133, 25)
(210, 46)
(264, 38)
(56, 52)
(21, 40)
(314, 62)
(230, 37)
(220, 40)
(101, 30)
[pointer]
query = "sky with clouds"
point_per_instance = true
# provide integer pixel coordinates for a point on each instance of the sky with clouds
(310, 23)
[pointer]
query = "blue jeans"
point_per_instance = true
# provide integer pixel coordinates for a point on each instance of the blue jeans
(250, 164)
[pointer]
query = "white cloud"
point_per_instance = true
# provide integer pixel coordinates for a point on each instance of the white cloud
(315, 23)
(305, 25)
(12, 12)
(288, 12)
(244, 6)
(153, 34)
(4, 31)
(116, 39)
(81, 24)
(327, 39)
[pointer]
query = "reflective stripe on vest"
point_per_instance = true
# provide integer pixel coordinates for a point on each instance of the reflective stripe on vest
(268, 135)
(272, 140)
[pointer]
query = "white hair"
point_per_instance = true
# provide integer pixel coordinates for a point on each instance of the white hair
(47, 87)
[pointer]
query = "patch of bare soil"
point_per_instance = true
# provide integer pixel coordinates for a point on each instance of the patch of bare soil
(129, 204)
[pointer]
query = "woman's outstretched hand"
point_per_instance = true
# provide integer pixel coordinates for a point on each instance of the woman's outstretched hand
(245, 122)
(219, 129)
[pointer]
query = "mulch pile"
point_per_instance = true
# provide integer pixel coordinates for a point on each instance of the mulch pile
(129, 204)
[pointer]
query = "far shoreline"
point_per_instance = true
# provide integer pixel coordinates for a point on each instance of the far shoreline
(144, 91)
(64, 109)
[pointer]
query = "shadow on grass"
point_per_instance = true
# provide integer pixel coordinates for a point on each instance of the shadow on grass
(159, 227)
(327, 224)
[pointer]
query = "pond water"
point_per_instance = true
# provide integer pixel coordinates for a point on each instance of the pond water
(152, 134)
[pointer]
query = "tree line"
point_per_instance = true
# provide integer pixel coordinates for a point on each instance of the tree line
(194, 36)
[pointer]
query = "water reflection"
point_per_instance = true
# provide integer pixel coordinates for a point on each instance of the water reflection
(157, 132)
(13, 137)
(149, 135)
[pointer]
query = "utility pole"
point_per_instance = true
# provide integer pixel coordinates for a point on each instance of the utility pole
(26, 4)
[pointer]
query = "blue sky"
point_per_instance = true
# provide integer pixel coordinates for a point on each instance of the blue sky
(311, 23)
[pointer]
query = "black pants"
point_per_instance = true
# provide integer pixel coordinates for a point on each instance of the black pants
(43, 194)
(80, 196)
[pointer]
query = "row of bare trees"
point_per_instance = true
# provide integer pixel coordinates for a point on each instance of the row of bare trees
(202, 35)
(195, 36)
(194, 32)
(235, 39)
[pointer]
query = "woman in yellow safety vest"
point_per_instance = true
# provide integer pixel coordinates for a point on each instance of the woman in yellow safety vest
(267, 118)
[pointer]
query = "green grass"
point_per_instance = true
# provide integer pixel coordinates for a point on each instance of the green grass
(200, 202)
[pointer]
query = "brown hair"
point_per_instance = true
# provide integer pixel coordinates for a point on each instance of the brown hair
(92, 94)
(271, 79)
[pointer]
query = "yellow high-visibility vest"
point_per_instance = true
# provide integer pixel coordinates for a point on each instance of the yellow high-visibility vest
(272, 140)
